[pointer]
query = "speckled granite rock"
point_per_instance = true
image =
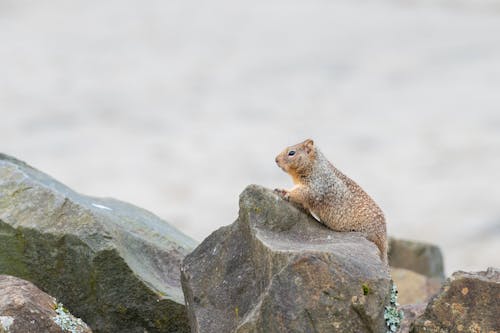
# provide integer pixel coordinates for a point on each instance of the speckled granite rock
(278, 270)
(26, 309)
(112, 264)
(468, 302)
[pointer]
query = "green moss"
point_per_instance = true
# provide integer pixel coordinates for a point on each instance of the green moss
(12, 248)
(170, 319)
(21, 241)
(87, 281)
(366, 289)
(92, 283)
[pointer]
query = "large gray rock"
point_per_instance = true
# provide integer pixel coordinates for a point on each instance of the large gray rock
(468, 302)
(26, 309)
(422, 258)
(112, 264)
(278, 270)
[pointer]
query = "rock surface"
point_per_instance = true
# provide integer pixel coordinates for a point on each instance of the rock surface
(413, 287)
(422, 258)
(26, 309)
(468, 302)
(410, 313)
(278, 270)
(111, 263)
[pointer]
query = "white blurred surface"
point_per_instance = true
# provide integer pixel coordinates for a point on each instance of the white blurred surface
(176, 106)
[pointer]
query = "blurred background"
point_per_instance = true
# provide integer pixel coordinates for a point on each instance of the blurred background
(176, 106)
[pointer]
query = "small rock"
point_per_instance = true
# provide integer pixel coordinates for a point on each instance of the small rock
(468, 302)
(422, 258)
(414, 287)
(285, 272)
(26, 309)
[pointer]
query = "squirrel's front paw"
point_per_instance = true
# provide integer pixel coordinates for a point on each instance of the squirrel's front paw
(282, 193)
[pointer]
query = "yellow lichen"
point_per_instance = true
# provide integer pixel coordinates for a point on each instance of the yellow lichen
(457, 308)
(475, 328)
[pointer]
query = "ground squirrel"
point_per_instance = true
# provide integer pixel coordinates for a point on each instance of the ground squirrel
(330, 196)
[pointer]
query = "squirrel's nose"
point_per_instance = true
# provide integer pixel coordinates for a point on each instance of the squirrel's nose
(276, 159)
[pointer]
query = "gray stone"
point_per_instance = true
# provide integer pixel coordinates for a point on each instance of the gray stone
(26, 309)
(276, 269)
(112, 264)
(422, 258)
(468, 302)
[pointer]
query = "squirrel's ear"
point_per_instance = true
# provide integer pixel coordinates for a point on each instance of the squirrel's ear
(309, 145)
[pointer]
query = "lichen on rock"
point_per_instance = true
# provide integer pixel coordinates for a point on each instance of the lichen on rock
(5, 323)
(392, 315)
(26, 309)
(67, 321)
(467, 302)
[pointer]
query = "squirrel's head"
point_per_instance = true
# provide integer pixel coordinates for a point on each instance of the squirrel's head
(297, 160)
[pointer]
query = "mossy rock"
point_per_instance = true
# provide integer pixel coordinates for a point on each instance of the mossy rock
(113, 264)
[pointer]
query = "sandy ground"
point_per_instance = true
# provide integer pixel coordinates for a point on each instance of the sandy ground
(176, 106)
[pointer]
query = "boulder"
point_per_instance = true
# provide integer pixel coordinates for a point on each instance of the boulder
(276, 269)
(414, 287)
(468, 302)
(422, 258)
(26, 309)
(112, 264)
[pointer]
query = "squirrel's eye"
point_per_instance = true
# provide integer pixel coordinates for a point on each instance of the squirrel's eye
(291, 153)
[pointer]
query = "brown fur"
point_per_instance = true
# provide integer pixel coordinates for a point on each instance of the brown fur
(331, 196)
